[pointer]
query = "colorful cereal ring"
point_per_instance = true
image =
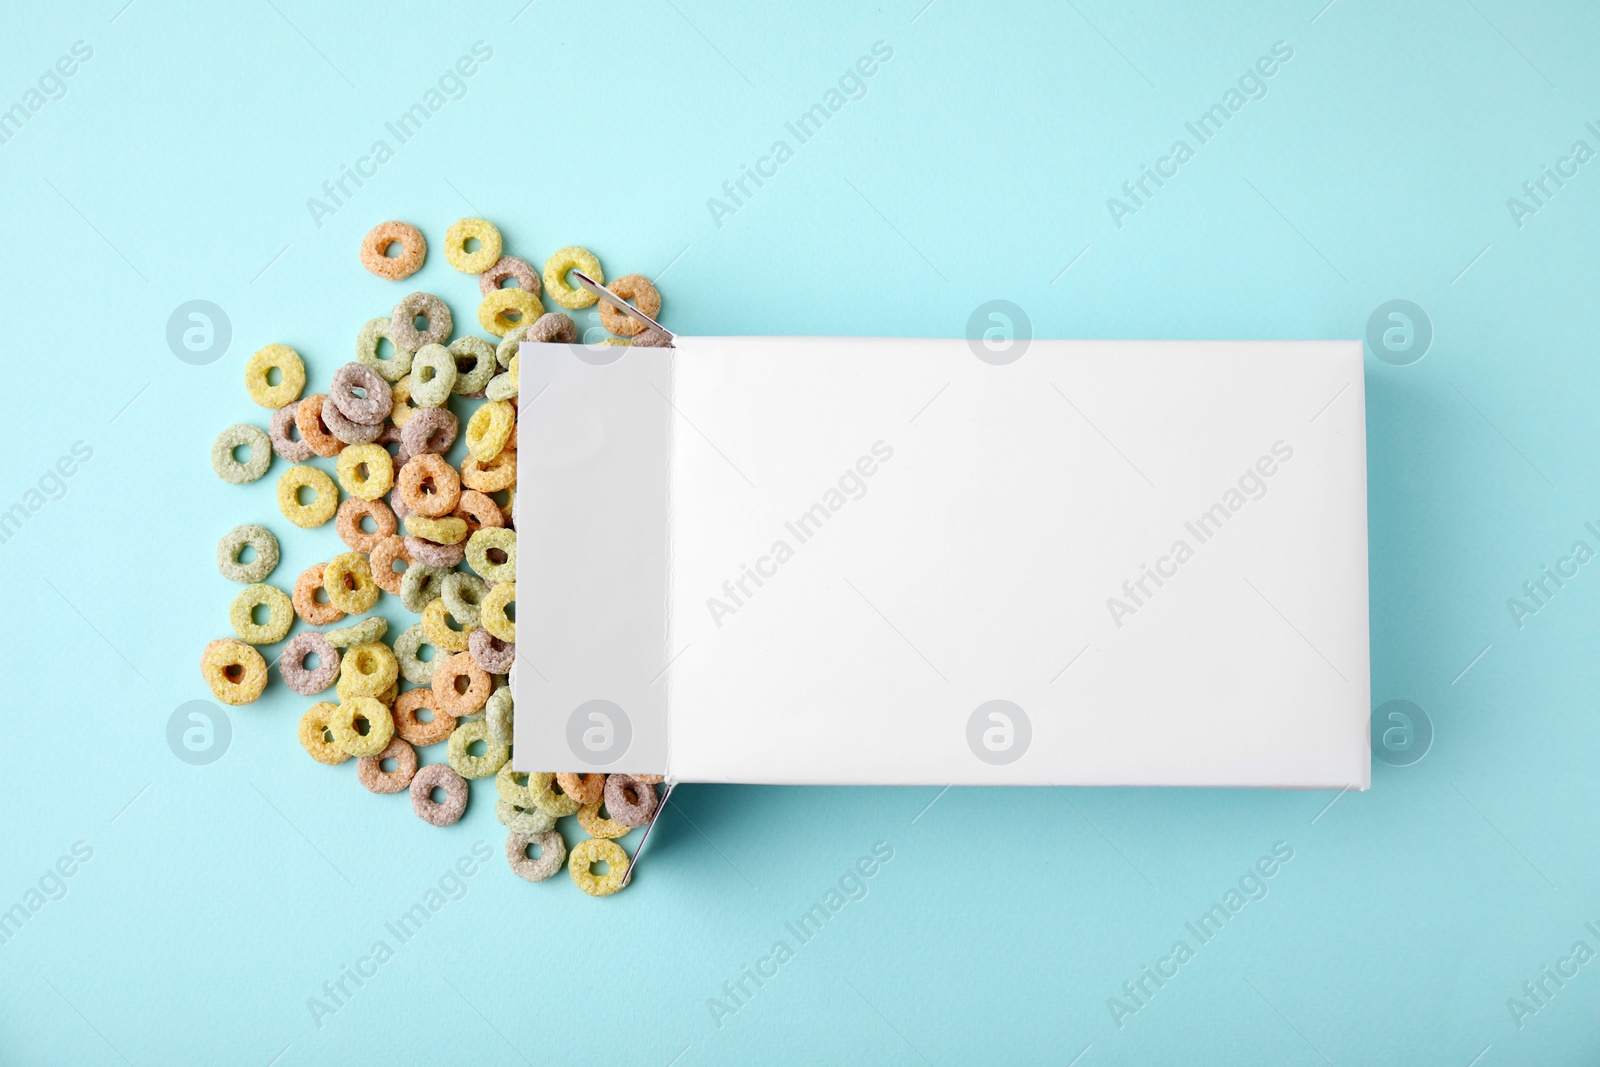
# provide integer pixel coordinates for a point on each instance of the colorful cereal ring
(254, 441)
(322, 505)
(287, 362)
(455, 245)
(598, 850)
(375, 250)
(259, 540)
(280, 614)
(555, 277)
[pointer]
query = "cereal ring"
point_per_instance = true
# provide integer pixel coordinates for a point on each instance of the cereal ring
(306, 605)
(369, 669)
(652, 338)
(629, 800)
(280, 614)
(360, 394)
(430, 430)
(429, 485)
(420, 585)
(435, 554)
(467, 765)
(309, 681)
(291, 368)
(313, 429)
(390, 368)
(257, 445)
(493, 611)
(552, 854)
(503, 386)
(522, 818)
(347, 431)
(584, 788)
(455, 245)
(519, 270)
(364, 632)
(370, 772)
(385, 554)
(401, 408)
(346, 688)
(445, 531)
(475, 365)
(512, 785)
(598, 850)
(348, 579)
(235, 672)
(436, 630)
(413, 729)
(646, 297)
(322, 505)
(375, 250)
(365, 471)
(555, 276)
(543, 788)
(403, 322)
(458, 699)
(505, 309)
(489, 429)
(491, 477)
(462, 593)
(485, 546)
(552, 329)
(491, 653)
(478, 510)
(259, 540)
(649, 779)
(433, 376)
(595, 826)
(292, 449)
(498, 715)
(344, 723)
(438, 776)
(315, 737)
(356, 510)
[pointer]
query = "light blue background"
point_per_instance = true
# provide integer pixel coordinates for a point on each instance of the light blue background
(220, 898)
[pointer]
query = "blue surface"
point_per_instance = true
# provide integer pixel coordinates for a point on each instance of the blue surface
(176, 164)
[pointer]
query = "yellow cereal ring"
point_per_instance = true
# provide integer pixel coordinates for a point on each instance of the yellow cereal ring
(317, 739)
(446, 531)
(595, 826)
(505, 309)
(436, 630)
(280, 614)
(322, 506)
(555, 277)
(491, 477)
(492, 612)
(400, 406)
(598, 850)
(489, 429)
(235, 672)
(366, 471)
(369, 670)
(459, 751)
(287, 362)
(455, 245)
(344, 724)
(347, 578)
(344, 690)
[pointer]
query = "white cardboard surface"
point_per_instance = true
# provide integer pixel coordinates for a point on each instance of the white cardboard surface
(847, 548)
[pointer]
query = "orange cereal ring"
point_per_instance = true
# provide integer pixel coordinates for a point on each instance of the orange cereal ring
(460, 686)
(348, 522)
(584, 788)
(375, 250)
(491, 477)
(370, 772)
(305, 601)
(646, 297)
(313, 431)
(413, 729)
(236, 672)
(429, 486)
(478, 510)
(389, 550)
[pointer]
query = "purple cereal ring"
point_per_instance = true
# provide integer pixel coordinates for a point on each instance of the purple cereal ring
(351, 433)
(491, 653)
(438, 776)
(629, 801)
(553, 328)
(360, 394)
(434, 554)
(309, 682)
(290, 448)
(429, 430)
(510, 267)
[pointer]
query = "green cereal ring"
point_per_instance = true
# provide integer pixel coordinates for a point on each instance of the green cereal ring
(598, 850)
(462, 593)
(468, 765)
(522, 818)
(455, 245)
(280, 614)
(475, 365)
(260, 540)
(511, 343)
(396, 366)
(508, 787)
(493, 539)
(502, 386)
(497, 715)
(542, 787)
(446, 531)
(253, 440)
(403, 322)
(555, 277)
(421, 585)
(593, 825)
(316, 738)
(365, 471)
(493, 611)
(367, 670)
(412, 668)
(490, 428)
(323, 504)
(287, 362)
(552, 854)
(364, 632)
(433, 376)
(347, 578)
(344, 720)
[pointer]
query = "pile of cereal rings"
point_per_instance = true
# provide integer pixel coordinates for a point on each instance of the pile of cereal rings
(410, 521)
